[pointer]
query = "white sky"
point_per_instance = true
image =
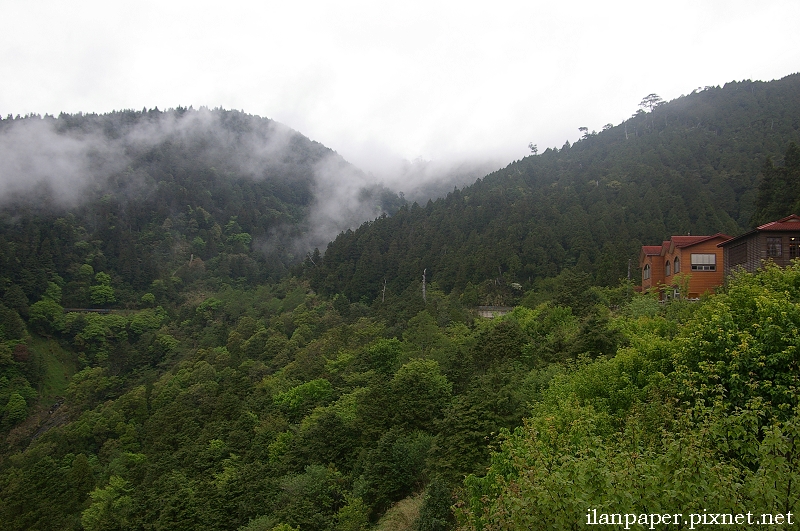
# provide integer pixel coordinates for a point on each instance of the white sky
(385, 81)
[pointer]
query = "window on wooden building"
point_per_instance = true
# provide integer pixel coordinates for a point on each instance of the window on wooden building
(667, 269)
(704, 262)
(646, 272)
(774, 247)
(676, 265)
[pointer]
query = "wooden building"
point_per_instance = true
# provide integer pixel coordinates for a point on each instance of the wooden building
(693, 262)
(776, 241)
(652, 265)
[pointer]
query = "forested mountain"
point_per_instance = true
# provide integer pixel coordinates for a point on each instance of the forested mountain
(160, 368)
(691, 165)
(152, 195)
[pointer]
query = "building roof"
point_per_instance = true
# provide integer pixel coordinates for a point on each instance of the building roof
(651, 250)
(679, 242)
(789, 223)
(685, 241)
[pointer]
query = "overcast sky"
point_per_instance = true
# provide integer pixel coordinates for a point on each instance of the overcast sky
(381, 82)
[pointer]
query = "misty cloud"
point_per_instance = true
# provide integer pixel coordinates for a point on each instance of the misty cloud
(34, 155)
(37, 153)
(344, 197)
(72, 160)
(421, 180)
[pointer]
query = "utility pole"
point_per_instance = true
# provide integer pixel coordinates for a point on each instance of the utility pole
(383, 296)
(424, 295)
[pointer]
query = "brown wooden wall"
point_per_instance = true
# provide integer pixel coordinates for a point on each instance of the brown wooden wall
(756, 245)
(656, 272)
(700, 282)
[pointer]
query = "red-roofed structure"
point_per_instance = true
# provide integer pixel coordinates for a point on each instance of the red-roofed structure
(776, 241)
(789, 223)
(698, 260)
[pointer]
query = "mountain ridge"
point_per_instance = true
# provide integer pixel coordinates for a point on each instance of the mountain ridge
(691, 165)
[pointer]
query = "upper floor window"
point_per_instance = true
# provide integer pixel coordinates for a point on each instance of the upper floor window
(646, 272)
(676, 265)
(774, 247)
(793, 247)
(667, 269)
(704, 262)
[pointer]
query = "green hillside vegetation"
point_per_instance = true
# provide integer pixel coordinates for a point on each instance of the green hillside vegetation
(691, 416)
(311, 419)
(779, 190)
(292, 411)
(168, 359)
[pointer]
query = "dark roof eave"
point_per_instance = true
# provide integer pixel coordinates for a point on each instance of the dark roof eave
(745, 235)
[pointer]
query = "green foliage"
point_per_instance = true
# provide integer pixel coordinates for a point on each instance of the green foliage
(299, 400)
(98, 336)
(15, 299)
(344, 428)
(435, 513)
(420, 393)
(423, 333)
(53, 292)
(619, 434)
(551, 332)
(310, 500)
(47, 317)
(778, 194)
(381, 357)
(90, 386)
(496, 400)
(315, 426)
(743, 345)
(81, 477)
(11, 324)
(643, 305)
(353, 516)
(393, 469)
(111, 507)
(147, 320)
(102, 294)
(596, 337)
(265, 523)
(15, 410)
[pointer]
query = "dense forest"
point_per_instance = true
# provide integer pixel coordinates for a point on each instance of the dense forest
(175, 354)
